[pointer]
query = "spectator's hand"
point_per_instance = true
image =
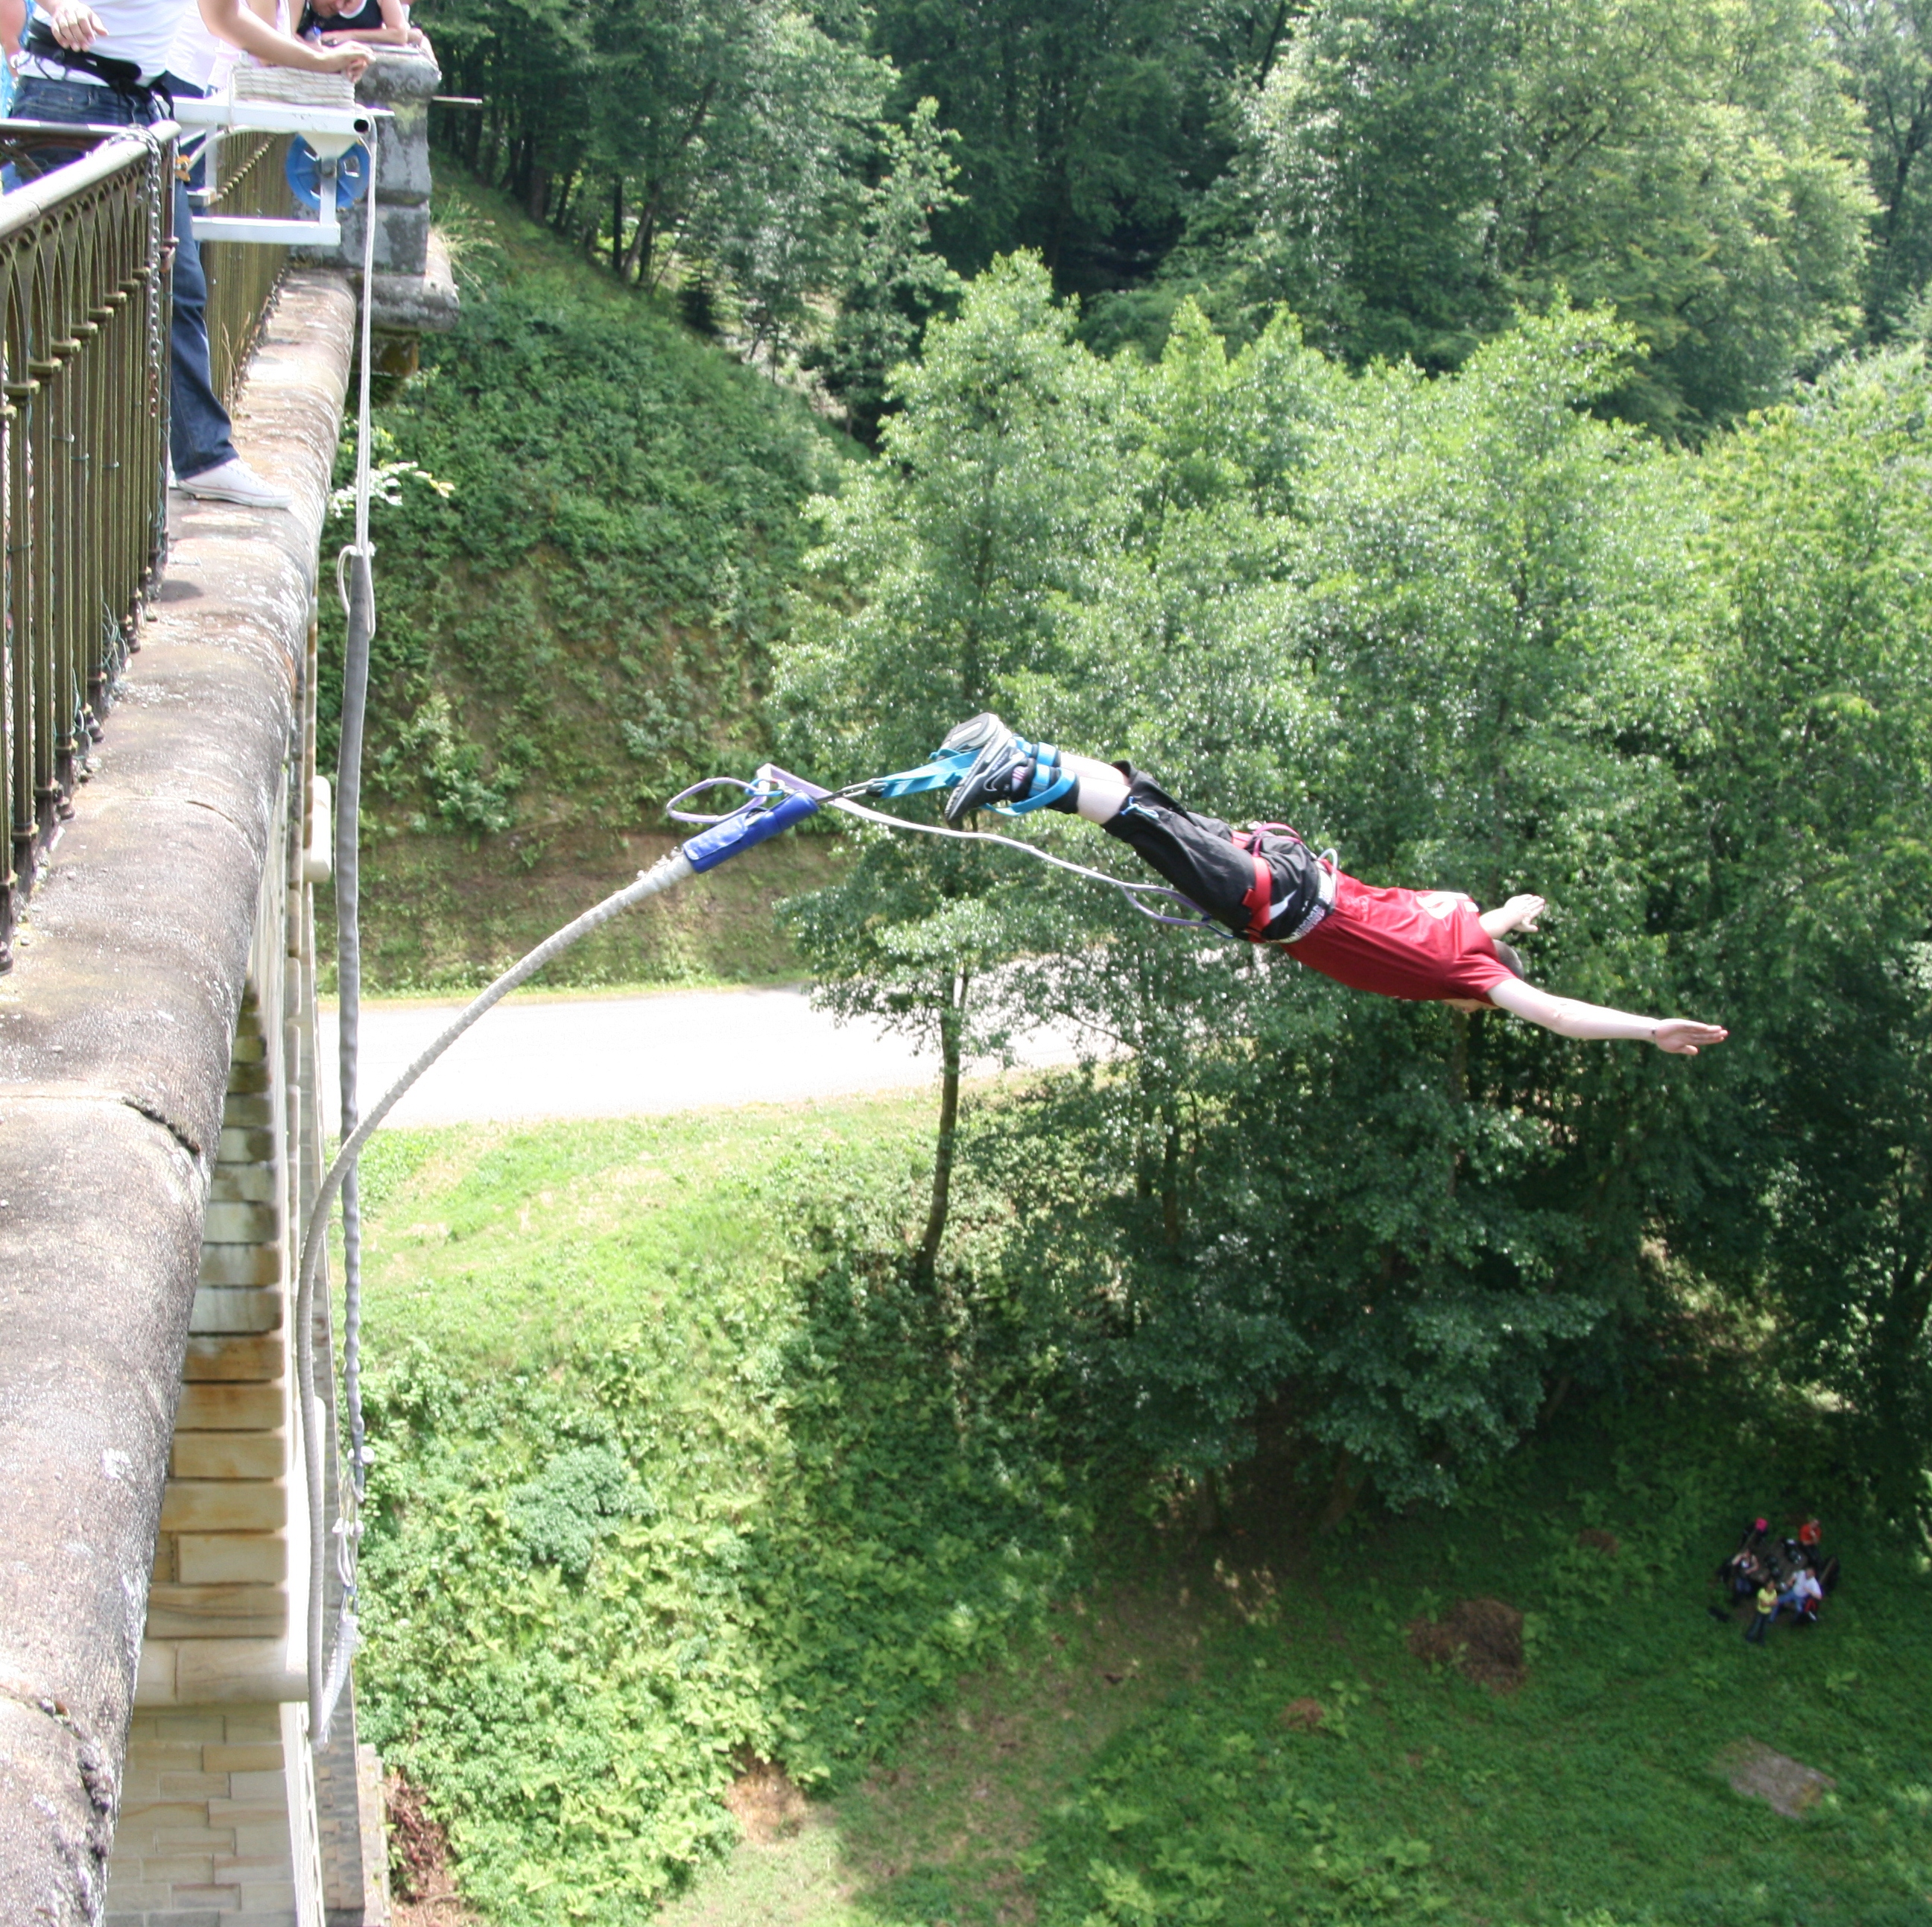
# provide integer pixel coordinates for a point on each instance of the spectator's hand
(77, 26)
(349, 60)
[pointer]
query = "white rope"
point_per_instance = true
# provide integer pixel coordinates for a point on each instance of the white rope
(359, 616)
(1033, 850)
(325, 1684)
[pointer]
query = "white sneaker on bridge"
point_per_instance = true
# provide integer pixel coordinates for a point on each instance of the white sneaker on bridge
(235, 481)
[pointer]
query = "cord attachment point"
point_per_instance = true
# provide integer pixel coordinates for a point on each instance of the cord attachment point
(775, 800)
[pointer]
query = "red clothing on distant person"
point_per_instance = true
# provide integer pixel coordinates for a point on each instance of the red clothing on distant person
(1419, 944)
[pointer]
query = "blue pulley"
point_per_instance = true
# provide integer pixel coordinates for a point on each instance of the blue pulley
(305, 174)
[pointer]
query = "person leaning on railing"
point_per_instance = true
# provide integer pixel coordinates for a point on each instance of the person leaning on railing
(106, 63)
(366, 23)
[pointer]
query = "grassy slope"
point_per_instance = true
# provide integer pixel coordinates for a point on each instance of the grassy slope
(576, 629)
(840, 1571)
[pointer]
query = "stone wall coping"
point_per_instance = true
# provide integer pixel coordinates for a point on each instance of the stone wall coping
(397, 73)
(115, 1032)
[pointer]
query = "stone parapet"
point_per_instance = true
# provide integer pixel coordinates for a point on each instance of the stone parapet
(414, 288)
(116, 1028)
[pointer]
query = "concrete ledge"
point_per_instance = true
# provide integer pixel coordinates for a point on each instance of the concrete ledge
(115, 1033)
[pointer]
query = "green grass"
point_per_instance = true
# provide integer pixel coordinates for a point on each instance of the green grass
(849, 1546)
(578, 627)
(799, 1517)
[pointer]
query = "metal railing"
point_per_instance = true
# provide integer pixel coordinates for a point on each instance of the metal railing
(248, 173)
(85, 253)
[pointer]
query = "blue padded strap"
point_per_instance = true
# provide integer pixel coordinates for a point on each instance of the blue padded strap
(942, 772)
(1045, 757)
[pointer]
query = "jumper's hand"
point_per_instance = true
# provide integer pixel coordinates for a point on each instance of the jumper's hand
(1681, 1038)
(77, 26)
(1522, 911)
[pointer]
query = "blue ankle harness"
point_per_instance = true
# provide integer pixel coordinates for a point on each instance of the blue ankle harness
(948, 766)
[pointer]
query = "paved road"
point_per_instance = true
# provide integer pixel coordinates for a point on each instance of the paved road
(615, 1057)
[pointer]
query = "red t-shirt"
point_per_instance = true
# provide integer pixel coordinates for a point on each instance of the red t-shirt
(1420, 945)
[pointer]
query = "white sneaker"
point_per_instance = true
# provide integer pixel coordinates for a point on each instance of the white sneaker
(235, 481)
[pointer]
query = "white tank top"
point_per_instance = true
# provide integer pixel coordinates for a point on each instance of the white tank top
(142, 30)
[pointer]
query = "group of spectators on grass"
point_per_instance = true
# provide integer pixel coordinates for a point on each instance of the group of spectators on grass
(1788, 1574)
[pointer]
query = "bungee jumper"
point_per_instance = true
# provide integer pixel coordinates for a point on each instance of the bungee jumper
(1266, 885)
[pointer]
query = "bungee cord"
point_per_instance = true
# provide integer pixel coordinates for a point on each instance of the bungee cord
(774, 801)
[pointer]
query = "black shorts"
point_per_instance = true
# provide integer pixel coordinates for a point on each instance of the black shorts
(1199, 857)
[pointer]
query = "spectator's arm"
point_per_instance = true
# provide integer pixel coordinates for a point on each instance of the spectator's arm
(235, 23)
(13, 24)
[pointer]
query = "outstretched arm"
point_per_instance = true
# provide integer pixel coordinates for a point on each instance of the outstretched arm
(1568, 1018)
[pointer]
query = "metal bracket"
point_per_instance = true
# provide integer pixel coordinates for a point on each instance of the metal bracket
(330, 131)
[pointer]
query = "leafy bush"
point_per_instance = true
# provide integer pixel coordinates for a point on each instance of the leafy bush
(748, 1493)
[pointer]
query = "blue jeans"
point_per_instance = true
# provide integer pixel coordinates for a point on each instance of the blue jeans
(198, 425)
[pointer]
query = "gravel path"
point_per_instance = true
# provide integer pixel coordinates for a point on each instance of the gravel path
(616, 1057)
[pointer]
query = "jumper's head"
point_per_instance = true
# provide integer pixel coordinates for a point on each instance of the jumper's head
(1511, 962)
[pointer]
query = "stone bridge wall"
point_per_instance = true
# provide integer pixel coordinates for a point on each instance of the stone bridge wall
(158, 1137)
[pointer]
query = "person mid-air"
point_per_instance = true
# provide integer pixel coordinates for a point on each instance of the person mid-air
(1268, 886)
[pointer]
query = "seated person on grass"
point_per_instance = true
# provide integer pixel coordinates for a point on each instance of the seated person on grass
(1269, 886)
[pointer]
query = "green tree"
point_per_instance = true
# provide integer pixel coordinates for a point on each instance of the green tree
(1087, 126)
(1806, 884)
(1416, 170)
(1886, 47)
(990, 502)
(891, 280)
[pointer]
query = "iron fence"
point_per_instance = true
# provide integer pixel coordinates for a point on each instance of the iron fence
(249, 177)
(84, 252)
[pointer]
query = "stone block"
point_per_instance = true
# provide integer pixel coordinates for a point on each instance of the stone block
(255, 1109)
(129, 1900)
(245, 1145)
(223, 1558)
(200, 1839)
(180, 1871)
(224, 1899)
(198, 1723)
(265, 1904)
(202, 1786)
(232, 1265)
(163, 1817)
(402, 162)
(240, 1224)
(256, 1756)
(234, 1356)
(223, 1405)
(245, 1184)
(246, 1077)
(260, 1783)
(208, 1671)
(250, 1047)
(223, 1505)
(175, 1611)
(270, 1809)
(229, 1455)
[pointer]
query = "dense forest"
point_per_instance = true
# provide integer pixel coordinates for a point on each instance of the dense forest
(1494, 439)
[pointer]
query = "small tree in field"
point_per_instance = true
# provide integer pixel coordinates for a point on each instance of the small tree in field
(988, 508)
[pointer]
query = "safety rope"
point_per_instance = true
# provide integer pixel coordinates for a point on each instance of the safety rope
(774, 802)
(1133, 892)
(355, 581)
